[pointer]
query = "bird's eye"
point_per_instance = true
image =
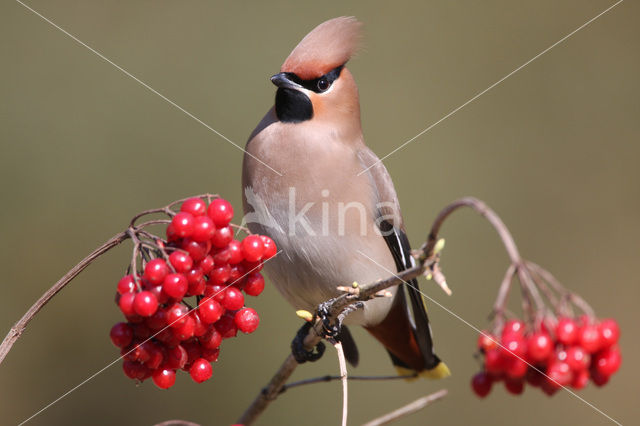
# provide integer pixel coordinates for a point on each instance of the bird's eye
(323, 84)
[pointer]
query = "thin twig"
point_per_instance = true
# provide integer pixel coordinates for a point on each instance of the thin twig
(20, 326)
(343, 377)
(176, 423)
(411, 408)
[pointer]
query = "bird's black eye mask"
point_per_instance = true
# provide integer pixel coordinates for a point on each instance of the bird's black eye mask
(293, 106)
(320, 84)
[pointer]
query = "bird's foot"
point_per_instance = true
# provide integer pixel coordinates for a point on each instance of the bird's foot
(298, 350)
(331, 329)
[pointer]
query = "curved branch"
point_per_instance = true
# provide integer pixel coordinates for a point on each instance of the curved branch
(20, 326)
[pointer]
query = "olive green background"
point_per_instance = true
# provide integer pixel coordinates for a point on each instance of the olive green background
(554, 150)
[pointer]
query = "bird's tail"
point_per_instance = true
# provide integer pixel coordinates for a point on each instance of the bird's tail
(407, 337)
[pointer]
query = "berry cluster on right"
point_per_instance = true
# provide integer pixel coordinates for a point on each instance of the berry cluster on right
(557, 353)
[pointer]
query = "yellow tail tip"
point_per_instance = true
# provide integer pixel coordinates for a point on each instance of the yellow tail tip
(440, 371)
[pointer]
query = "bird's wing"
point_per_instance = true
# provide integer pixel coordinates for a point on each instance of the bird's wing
(391, 224)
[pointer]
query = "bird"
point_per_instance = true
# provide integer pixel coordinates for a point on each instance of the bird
(311, 184)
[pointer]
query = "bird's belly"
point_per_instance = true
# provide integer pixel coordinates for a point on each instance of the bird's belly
(322, 253)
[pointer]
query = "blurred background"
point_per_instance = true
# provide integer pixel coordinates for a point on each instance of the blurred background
(553, 149)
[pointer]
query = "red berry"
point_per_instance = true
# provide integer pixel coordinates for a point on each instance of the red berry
(226, 326)
(577, 358)
(589, 338)
(200, 370)
(493, 362)
(238, 276)
(270, 248)
(141, 331)
(253, 248)
(209, 310)
(222, 237)
(514, 386)
(171, 233)
(157, 292)
(121, 334)
(486, 341)
(126, 303)
(212, 339)
(203, 229)
(252, 266)
(126, 284)
(200, 327)
(220, 211)
(513, 326)
(516, 368)
(235, 250)
(567, 331)
(182, 224)
(607, 362)
(559, 374)
(157, 321)
(197, 250)
(164, 378)
(156, 355)
(247, 320)
(513, 346)
(215, 292)
(580, 379)
(539, 347)
(186, 330)
(180, 261)
(195, 206)
(220, 274)
(168, 338)
(481, 384)
(175, 286)
(255, 284)
(155, 271)
(221, 256)
(176, 357)
(609, 332)
(233, 299)
(599, 379)
(210, 355)
(535, 377)
(206, 264)
(145, 304)
(176, 315)
(135, 370)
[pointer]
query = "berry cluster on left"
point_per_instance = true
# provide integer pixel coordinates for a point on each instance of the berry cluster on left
(183, 294)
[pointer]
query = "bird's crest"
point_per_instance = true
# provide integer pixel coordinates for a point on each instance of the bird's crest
(328, 46)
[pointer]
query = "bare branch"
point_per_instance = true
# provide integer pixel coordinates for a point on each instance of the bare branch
(20, 326)
(411, 408)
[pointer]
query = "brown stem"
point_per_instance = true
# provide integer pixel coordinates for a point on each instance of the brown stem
(411, 408)
(20, 326)
(484, 211)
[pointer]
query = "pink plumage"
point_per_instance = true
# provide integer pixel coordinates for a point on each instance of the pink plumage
(327, 46)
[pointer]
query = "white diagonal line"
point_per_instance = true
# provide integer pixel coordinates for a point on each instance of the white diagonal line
(491, 338)
(146, 86)
(149, 338)
(492, 86)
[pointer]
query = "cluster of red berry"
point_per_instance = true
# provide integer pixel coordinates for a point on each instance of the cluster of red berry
(568, 354)
(200, 258)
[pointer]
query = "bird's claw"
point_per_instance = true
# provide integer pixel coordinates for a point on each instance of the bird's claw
(298, 349)
(331, 330)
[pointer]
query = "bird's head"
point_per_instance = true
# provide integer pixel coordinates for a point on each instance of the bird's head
(313, 83)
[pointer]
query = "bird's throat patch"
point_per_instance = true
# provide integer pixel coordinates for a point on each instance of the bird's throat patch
(293, 106)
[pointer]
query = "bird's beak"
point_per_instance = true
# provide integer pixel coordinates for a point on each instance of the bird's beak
(282, 80)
